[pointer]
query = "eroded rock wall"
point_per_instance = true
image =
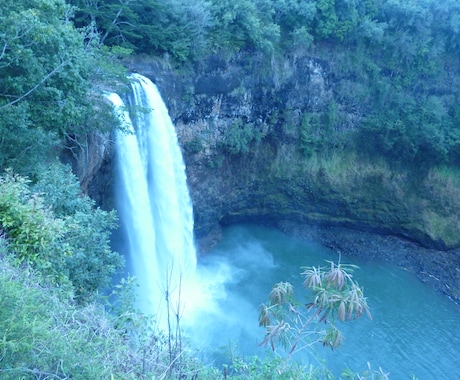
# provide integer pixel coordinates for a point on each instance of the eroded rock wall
(239, 124)
(232, 176)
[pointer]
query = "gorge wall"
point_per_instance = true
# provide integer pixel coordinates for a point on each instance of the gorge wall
(240, 123)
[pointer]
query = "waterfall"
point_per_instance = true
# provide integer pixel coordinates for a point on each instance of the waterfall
(153, 200)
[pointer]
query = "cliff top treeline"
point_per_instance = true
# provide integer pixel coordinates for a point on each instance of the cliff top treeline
(396, 63)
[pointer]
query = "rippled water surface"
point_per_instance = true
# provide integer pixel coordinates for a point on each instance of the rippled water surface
(414, 331)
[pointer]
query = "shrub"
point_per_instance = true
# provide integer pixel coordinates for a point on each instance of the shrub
(335, 295)
(45, 337)
(239, 136)
(54, 228)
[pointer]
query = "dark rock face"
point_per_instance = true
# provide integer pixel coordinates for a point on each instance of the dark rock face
(238, 124)
(434, 267)
(92, 161)
(227, 186)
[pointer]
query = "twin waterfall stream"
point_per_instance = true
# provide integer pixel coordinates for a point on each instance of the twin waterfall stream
(414, 330)
(153, 201)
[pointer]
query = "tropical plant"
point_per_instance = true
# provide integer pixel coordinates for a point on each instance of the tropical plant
(54, 228)
(48, 73)
(334, 296)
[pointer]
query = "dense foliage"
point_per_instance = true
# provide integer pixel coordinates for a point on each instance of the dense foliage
(63, 236)
(395, 63)
(47, 336)
(48, 70)
(51, 75)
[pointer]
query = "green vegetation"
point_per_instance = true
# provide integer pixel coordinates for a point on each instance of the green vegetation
(334, 294)
(44, 335)
(239, 137)
(48, 73)
(63, 236)
(371, 192)
(394, 67)
(395, 70)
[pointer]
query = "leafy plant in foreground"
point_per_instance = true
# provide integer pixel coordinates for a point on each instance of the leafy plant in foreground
(59, 232)
(335, 295)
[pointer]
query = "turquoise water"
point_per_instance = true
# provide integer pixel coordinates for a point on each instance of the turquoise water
(414, 331)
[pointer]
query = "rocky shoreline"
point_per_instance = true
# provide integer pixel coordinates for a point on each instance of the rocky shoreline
(437, 268)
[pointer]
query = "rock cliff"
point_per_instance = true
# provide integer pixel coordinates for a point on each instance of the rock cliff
(239, 122)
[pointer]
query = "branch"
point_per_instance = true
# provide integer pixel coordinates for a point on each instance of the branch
(3, 51)
(44, 79)
(17, 36)
(115, 21)
(301, 331)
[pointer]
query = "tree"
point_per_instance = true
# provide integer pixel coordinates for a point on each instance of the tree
(48, 74)
(447, 24)
(295, 18)
(334, 294)
(40, 61)
(326, 19)
(239, 136)
(241, 25)
(89, 261)
(51, 226)
(175, 27)
(114, 20)
(311, 137)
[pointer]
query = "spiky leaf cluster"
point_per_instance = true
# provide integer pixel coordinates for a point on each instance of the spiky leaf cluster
(334, 295)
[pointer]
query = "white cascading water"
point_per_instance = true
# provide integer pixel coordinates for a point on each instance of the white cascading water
(156, 212)
(153, 201)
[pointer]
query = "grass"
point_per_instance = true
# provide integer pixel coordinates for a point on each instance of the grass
(373, 193)
(44, 335)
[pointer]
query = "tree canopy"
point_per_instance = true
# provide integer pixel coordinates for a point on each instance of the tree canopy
(399, 60)
(48, 70)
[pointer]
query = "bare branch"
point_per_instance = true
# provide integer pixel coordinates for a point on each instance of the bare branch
(43, 80)
(115, 21)
(5, 46)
